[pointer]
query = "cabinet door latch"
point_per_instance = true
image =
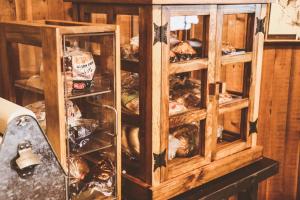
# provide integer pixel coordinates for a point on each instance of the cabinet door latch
(159, 160)
(253, 127)
(260, 28)
(160, 33)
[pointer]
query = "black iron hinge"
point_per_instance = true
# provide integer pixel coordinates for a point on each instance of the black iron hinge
(260, 28)
(253, 127)
(159, 160)
(160, 33)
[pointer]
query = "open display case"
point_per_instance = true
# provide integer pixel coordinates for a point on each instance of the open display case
(72, 86)
(191, 75)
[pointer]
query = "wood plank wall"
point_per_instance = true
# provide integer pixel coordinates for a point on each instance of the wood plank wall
(279, 119)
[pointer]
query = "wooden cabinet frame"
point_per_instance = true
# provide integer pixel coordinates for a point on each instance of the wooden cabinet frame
(49, 36)
(174, 168)
(154, 69)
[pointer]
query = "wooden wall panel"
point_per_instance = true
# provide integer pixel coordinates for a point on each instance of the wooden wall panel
(8, 12)
(279, 119)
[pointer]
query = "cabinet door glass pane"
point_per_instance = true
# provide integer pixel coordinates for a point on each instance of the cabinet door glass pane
(89, 87)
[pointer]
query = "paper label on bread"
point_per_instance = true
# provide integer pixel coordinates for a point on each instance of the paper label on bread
(83, 66)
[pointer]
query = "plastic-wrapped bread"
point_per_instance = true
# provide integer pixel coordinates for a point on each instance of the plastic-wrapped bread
(130, 101)
(187, 135)
(173, 57)
(131, 51)
(184, 51)
(80, 132)
(78, 169)
(82, 66)
(174, 144)
(39, 109)
(227, 49)
(101, 182)
(185, 91)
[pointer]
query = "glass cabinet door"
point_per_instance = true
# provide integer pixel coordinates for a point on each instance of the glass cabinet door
(91, 117)
(186, 76)
(235, 64)
(68, 75)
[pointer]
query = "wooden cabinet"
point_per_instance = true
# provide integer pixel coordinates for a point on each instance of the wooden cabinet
(73, 88)
(194, 71)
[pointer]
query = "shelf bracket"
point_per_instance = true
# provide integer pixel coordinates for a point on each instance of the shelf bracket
(159, 160)
(253, 127)
(260, 27)
(160, 33)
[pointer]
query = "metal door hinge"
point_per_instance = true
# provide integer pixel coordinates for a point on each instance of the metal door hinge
(260, 28)
(160, 33)
(253, 127)
(159, 160)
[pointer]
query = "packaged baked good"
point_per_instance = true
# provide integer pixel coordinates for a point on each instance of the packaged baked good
(176, 107)
(73, 113)
(131, 51)
(104, 169)
(188, 137)
(39, 109)
(184, 51)
(227, 49)
(130, 101)
(78, 169)
(185, 91)
(173, 57)
(80, 133)
(174, 144)
(224, 98)
(81, 65)
(102, 180)
(129, 80)
(196, 45)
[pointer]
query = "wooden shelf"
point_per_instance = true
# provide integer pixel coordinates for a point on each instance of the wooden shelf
(23, 84)
(187, 66)
(95, 144)
(193, 115)
(228, 138)
(87, 94)
(177, 163)
(130, 65)
(231, 59)
(235, 104)
(228, 148)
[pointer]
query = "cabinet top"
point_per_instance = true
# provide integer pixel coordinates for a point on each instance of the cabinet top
(164, 2)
